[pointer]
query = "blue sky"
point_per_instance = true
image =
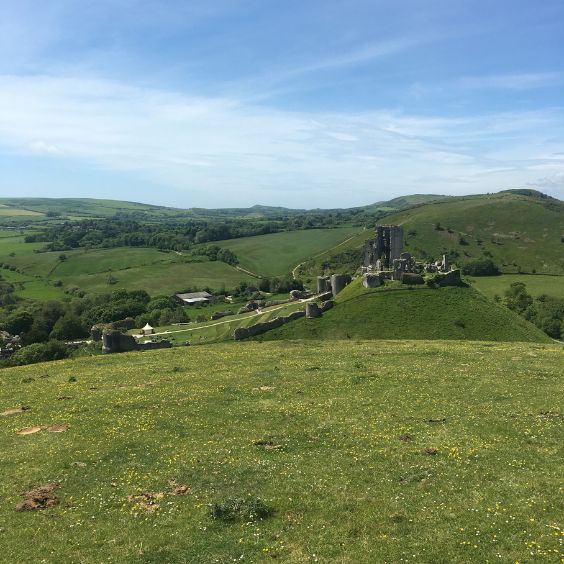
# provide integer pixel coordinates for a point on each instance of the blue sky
(296, 103)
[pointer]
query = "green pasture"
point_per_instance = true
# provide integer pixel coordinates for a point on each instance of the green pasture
(30, 287)
(161, 278)
(536, 284)
(6, 211)
(327, 451)
(277, 254)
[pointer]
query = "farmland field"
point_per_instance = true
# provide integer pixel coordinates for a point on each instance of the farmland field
(16, 212)
(163, 279)
(350, 451)
(276, 254)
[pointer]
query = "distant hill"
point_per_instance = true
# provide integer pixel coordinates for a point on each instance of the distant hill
(76, 208)
(397, 312)
(403, 202)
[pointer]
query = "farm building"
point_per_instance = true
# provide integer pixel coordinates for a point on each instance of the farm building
(194, 298)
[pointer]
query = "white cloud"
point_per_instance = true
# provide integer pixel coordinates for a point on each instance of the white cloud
(245, 153)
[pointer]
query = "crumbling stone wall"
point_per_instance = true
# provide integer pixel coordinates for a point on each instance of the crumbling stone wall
(312, 310)
(338, 282)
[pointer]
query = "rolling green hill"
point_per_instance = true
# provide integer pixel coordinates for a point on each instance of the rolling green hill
(519, 232)
(335, 451)
(397, 312)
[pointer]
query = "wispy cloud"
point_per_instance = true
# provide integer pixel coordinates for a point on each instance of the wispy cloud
(240, 153)
(519, 81)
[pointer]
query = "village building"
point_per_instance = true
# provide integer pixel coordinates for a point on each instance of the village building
(194, 298)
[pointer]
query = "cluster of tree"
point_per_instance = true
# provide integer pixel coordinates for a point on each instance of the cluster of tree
(481, 267)
(73, 319)
(546, 312)
(213, 252)
(38, 352)
(7, 296)
(280, 285)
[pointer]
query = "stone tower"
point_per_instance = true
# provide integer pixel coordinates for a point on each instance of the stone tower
(386, 246)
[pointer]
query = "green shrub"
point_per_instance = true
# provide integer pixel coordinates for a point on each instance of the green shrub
(39, 352)
(480, 267)
(411, 278)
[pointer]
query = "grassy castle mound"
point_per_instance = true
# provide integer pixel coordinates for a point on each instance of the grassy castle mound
(400, 312)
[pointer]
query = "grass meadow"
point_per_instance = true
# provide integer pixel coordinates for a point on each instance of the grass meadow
(536, 284)
(342, 451)
(278, 253)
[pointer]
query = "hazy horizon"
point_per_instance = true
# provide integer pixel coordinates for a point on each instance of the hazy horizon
(305, 105)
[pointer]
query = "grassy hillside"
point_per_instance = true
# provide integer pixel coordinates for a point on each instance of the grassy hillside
(518, 232)
(361, 452)
(396, 312)
(276, 254)
(79, 207)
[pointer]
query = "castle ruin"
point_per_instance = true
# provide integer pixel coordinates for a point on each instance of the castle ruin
(384, 259)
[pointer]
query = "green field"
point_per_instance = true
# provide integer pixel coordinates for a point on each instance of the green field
(159, 272)
(360, 451)
(163, 279)
(32, 288)
(278, 253)
(6, 211)
(398, 312)
(133, 268)
(536, 284)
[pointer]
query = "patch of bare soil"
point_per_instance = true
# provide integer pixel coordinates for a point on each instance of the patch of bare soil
(57, 428)
(146, 502)
(268, 444)
(15, 411)
(430, 451)
(405, 438)
(64, 398)
(40, 497)
(29, 430)
(178, 489)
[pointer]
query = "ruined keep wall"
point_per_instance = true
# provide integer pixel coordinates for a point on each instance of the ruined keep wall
(387, 243)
